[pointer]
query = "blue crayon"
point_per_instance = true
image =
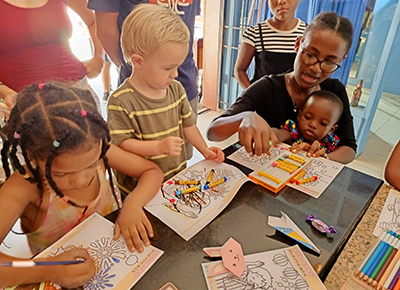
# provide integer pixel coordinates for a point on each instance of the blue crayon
(378, 258)
(367, 266)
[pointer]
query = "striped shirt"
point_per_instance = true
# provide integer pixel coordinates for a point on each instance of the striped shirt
(133, 115)
(274, 40)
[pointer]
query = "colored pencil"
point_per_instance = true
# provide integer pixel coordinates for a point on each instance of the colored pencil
(392, 274)
(380, 239)
(385, 266)
(394, 280)
(380, 251)
(383, 260)
(397, 285)
(389, 270)
(24, 264)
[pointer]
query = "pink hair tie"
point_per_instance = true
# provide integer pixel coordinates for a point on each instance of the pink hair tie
(16, 135)
(41, 86)
(83, 113)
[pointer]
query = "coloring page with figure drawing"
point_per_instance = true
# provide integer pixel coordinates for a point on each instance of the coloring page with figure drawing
(187, 213)
(326, 171)
(117, 267)
(256, 162)
(389, 218)
(282, 269)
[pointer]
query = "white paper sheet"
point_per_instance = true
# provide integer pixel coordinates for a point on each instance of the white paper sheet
(281, 269)
(390, 215)
(117, 266)
(189, 215)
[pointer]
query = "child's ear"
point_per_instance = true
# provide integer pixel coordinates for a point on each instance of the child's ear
(334, 127)
(137, 60)
(299, 114)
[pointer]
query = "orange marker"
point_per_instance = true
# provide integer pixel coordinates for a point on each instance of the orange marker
(182, 182)
(298, 176)
(283, 167)
(305, 180)
(297, 158)
(210, 176)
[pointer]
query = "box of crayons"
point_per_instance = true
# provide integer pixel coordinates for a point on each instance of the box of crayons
(286, 167)
(380, 268)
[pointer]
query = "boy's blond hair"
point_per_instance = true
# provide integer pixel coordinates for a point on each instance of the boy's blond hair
(150, 26)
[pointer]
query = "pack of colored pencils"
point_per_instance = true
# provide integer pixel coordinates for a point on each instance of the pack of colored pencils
(380, 269)
(285, 167)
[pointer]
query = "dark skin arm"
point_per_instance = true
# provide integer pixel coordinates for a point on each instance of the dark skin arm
(392, 170)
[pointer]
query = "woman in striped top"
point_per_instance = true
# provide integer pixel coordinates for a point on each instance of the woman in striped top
(271, 43)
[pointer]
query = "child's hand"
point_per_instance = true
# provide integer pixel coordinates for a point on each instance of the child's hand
(314, 150)
(171, 146)
(214, 153)
(134, 225)
(71, 276)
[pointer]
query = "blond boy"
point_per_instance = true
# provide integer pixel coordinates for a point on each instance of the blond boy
(149, 114)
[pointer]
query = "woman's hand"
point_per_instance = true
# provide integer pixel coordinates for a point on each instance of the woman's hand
(71, 276)
(93, 66)
(313, 150)
(134, 225)
(255, 134)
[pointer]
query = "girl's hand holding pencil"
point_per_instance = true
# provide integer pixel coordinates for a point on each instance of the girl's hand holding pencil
(70, 276)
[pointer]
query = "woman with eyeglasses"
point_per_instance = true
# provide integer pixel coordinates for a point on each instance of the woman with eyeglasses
(273, 99)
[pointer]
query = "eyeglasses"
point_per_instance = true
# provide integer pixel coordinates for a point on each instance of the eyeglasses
(325, 65)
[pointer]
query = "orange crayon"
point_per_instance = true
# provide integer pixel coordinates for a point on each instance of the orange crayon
(305, 180)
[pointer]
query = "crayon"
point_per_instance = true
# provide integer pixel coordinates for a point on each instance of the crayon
(381, 237)
(305, 180)
(383, 260)
(215, 183)
(298, 176)
(210, 176)
(262, 173)
(375, 254)
(283, 167)
(291, 164)
(378, 258)
(24, 264)
(188, 190)
(391, 275)
(389, 270)
(297, 158)
(183, 182)
(386, 264)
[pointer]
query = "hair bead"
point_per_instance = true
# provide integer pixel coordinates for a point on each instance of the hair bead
(41, 86)
(16, 135)
(56, 143)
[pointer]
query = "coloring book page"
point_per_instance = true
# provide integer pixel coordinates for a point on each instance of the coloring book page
(281, 269)
(390, 214)
(187, 214)
(256, 162)
(326, 171)
(117, 267)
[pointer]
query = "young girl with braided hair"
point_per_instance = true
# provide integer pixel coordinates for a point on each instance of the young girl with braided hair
(66, 146)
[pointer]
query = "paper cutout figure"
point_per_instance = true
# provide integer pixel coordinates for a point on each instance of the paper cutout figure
(232, 257)
(286, 226)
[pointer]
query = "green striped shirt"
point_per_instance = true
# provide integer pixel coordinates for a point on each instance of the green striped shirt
(133, 115)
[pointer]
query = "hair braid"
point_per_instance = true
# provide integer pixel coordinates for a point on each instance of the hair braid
(4, 157)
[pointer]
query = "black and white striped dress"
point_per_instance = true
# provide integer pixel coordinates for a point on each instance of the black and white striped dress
(274, 48)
